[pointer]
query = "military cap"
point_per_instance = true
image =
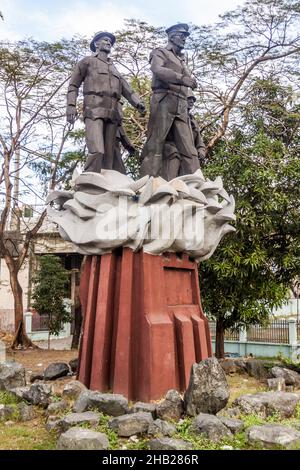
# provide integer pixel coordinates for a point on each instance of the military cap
(179, 28)
(191, 95)
(100, 35)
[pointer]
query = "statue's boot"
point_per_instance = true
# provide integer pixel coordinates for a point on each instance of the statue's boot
(94, 162)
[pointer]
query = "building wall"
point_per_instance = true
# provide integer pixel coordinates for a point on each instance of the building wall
(6, 296)
(48, 241)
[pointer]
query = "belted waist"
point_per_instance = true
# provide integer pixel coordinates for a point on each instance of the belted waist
(113, 94)
(169, 92)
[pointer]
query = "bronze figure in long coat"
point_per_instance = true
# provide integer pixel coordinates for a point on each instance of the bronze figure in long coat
(169, 120)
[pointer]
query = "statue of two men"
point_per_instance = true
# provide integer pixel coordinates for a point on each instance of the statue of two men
(174, 144)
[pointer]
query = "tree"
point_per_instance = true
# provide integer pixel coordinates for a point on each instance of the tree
(50, 290)
(255, 40)
(253, 269)
(32, 80)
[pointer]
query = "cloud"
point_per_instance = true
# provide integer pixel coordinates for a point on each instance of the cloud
(51, 24)
(53, 19)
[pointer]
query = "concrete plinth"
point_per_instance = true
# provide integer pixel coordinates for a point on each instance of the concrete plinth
(143, 323)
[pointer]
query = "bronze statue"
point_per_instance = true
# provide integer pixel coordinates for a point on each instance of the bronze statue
(169, 120)
(103, 87)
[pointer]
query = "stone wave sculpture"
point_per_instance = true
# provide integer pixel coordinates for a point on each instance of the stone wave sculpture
(108, 210)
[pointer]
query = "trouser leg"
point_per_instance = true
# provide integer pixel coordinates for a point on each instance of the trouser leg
(110, 130)
(95, 144)
(184, 142)
(94, 162)
(160, 122)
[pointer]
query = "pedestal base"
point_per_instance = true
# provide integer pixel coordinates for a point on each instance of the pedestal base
(143, 323)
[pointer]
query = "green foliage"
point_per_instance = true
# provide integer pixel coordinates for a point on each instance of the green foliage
(51, 289)
(7, 398)
(295, 365)
(110, 434)
(253, 269)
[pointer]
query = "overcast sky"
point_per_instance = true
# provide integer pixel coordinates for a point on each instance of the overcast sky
(53, 19)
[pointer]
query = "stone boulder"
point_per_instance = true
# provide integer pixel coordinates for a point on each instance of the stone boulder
(211, 426)
(26, 412)
(277, 384)
(75, 419)
(52, 424)
(208, 390)
(108, 403)
(234, 425)
(165, 443)
(171, 408)
(268, 403)
(12, 375)
(228, 366)
(240, 365)
(256, 368)
(6, 412)
(73, 363)
(73, 389)
(34, 377)
(82, 439)
(163, 428)
(146, 407)
(56, 370)
(19, 391)
(38, 394)
(290, 376)
(131, 424)
(57, 407)
(272, 435)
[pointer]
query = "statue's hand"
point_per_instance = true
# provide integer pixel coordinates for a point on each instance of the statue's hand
(190, 82)
(71, 118)
(141, 108)
(71, 114)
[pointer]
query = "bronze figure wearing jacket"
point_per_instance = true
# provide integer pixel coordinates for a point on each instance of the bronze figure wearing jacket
(169, 120)
(103, 86)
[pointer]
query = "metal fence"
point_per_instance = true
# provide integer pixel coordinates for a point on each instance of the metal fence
(276, 332)
(40, 322)
(229, 335)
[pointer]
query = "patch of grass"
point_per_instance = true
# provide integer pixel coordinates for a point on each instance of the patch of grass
(7, 398)
(297, 411)
(26, 436)
(243, 385)
(256, 420)
(111, 435)
(201, 442)
(286, 361)
(141, 445)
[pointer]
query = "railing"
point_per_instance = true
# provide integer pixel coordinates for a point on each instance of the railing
(40, 322)
(277, 332)
(229, 334)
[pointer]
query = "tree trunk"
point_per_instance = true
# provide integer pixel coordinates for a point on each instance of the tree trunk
(220, 352)
(20, 338)
(77, 328)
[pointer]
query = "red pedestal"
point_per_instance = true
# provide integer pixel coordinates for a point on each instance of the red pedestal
(143, 323)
